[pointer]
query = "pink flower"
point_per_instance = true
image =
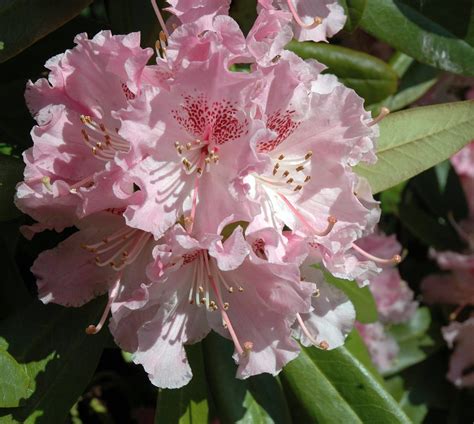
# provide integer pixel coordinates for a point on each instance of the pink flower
(210, 284)
(461, 336)
(382, 347)
(314, 20)
(392, 295)
(188, 11)
(308, 184)
(463, 161)
(200, 137)
(69, 170)
(103, 256)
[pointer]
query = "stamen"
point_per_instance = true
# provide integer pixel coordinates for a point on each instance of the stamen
(323, 345)
(160, 17)
(94, 329)
(394, 260)
(225, 317)
(317, 20)
(453, 315)
(332, 220)
(383, 113)
(46, 181)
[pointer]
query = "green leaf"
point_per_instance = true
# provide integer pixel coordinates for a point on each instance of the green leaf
(413, 340)
(416, 82)
(23, 22)
(361, 298)
(188, 404)
(416, 139)
(55, 353)
(15, 381)
(245, 13)
(334, 386)
(354, 10)
(11, 172)
(369, 76)
(391, 198)
(257, 399)
(128, 16)
(435, 32)
(416, 411)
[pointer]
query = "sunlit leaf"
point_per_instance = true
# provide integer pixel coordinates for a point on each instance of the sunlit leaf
(416, 139)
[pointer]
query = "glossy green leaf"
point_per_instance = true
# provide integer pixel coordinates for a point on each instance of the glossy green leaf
(435, 32)
(188, 404)
(354, 10)
(23, 22)
(369, 76)
(56, 354)
(361, 298)
(413, 340)
(128, 16)
(416, 139)
(334, 386)
(257, 399)
(15, 381)
(11, 172)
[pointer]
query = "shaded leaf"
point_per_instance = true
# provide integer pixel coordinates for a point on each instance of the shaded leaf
(56, 354)
(188, 404)
(257, 399)
(130, 16)
(369, 76)
(361, 298)
(416, 411)
(11, 172)
(434, 32)
(413, 340)
(414, 140)
(354, 10)
(334, 386)
(23, 22)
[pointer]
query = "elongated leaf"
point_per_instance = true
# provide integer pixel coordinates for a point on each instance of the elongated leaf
(436, 32)
(334, 386)
(15, 381)
(51, 345)
(416, 139)
(370, 77)
(257, 399)
(354, 10)
(11, 172)
(361, 298)
(23, 22)
(187, 405)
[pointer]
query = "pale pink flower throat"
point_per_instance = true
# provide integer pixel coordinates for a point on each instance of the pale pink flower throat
(207, 283)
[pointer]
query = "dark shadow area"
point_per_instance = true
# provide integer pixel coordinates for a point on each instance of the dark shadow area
(451, 15)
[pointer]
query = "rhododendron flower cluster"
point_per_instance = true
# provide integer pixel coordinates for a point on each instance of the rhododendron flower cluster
(201, 195)
(456, 288)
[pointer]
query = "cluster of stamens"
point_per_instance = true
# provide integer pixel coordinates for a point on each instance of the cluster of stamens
(290, 172)
(103, 143)
(198, 158)
(119, 249)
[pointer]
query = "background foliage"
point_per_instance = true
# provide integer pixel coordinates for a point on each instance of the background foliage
(51, 372)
